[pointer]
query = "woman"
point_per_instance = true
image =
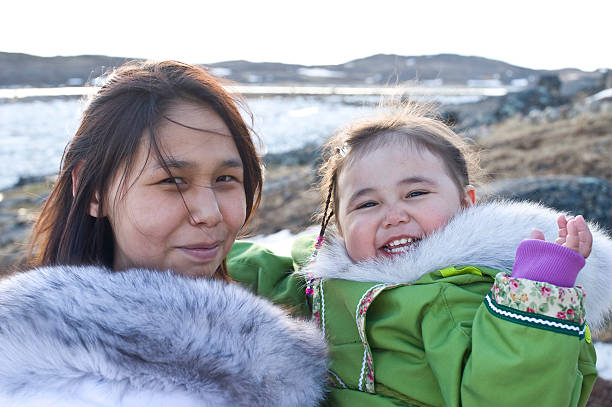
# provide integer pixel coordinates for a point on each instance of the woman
(129, 303)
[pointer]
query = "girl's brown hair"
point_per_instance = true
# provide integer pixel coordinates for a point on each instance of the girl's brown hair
(412, 124)
(129, 105)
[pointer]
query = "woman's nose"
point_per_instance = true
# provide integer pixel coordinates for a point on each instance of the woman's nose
(395, 216)
(204, 208)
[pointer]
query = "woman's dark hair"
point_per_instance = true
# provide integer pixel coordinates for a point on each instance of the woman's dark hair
(117, 119)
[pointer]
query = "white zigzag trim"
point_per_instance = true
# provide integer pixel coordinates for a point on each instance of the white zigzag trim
(365, 354)
(338, 378)
(322, 308)
(534, 320)
(365, 349)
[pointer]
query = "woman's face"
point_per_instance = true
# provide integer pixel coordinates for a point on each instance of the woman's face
(186, 222)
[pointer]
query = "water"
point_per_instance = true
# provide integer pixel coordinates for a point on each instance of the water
(33, 134)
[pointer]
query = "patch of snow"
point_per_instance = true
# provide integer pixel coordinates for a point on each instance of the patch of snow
(220, 71)
(484, 83)
(604, 359)
(519, 82)
(410, 62)
(320, 73)
(252, 78)
(280, 242)
(604, 94)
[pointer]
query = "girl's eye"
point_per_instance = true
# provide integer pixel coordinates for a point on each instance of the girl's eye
(414, 194)
(366, 205)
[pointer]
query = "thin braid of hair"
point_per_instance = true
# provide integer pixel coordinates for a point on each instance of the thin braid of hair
(310, 281)
(326, 216)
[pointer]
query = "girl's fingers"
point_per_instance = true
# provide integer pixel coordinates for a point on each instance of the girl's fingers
(560, 241)
(562, 223)
(585, 238)
(537, 234)
(571, 240)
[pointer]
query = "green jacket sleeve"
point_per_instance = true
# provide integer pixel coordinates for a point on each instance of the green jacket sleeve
(268, 275)
(526, 345)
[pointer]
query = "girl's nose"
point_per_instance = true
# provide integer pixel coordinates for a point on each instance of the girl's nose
(204, 208)
(396, 216)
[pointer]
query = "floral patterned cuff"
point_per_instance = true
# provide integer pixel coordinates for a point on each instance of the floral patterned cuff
(538, 304)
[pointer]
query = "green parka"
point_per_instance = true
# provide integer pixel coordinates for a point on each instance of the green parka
(428, 330)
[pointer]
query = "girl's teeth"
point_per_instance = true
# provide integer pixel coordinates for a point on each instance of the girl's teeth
(400, 241)
(402, 245)
(401, 249)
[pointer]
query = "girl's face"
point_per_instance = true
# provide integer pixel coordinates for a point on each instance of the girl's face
(191, 231)
(392, 197)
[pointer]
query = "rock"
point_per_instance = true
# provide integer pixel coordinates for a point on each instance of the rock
(307, 154)
(525, 101)
(588, 196)
(601, 396)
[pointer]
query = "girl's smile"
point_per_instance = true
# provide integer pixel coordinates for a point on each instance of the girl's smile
(399, 245)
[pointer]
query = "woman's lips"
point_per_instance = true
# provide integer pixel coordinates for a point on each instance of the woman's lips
(202, 252)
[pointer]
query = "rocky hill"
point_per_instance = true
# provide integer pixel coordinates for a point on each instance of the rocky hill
(22, 70)
(18, 70)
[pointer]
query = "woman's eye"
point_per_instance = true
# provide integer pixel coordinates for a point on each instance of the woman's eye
(173, 180)
(414, 194)
(366, 205)
(226, 178)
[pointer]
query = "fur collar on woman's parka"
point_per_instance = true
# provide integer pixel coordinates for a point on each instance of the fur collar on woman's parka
(85, 336)
(483, 235)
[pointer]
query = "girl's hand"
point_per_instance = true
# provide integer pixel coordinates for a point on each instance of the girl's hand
(574, 234)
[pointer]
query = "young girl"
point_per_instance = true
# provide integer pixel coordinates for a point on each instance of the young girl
(413, 290)
(124, 309)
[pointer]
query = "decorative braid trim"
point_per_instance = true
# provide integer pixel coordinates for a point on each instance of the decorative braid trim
(534, 320)
(335, 380)
(537, 297)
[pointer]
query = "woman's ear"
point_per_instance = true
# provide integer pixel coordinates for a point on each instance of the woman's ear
(76, 174)
(94, 205)
(470, 196)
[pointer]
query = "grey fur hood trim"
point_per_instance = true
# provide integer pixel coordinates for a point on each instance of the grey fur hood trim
(85, 336)
(483, 235)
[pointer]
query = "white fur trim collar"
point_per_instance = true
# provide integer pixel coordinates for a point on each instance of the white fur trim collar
(483, 235)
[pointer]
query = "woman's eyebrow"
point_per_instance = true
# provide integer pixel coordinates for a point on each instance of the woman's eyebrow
(232, 163)
(175, 163)
(171, 162)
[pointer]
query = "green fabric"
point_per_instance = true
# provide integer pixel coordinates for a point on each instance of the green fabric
(422, 336)
(268, 275)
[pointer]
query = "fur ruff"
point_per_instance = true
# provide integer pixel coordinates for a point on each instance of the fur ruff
(85, 336)
(483, 235)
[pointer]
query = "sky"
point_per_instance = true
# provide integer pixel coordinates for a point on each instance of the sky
(537, 34)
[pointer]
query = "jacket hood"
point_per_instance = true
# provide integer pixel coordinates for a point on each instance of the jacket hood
(85, 336)
(482, 235)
